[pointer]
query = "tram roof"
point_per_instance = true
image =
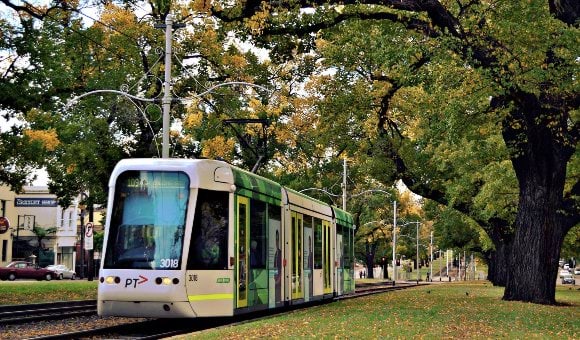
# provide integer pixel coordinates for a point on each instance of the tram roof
(247, 183)
(252, 185)
(343, 217)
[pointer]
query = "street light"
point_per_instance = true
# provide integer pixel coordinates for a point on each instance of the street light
(440, 258)
(82, 245)
(431, 260)
(417, 239)
(167, 98)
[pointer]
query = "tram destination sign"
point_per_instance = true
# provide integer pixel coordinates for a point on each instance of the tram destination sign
(35, 202)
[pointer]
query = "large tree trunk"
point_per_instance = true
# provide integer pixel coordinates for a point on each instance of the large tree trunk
(540, 164)
(370, 259)
(497, 262)
(536, 249)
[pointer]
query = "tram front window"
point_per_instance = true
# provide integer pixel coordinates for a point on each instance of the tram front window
(148, 221)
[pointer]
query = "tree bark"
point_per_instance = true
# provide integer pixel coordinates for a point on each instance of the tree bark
(370, 259)
(536, 250)
(497, 262)
(539, 160)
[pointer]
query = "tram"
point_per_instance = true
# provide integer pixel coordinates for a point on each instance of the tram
(188, 238)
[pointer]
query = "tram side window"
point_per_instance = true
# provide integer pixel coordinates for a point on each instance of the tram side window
(317, 243)
(340, 231)
(208, 248)
(257, 234)
(346, 247)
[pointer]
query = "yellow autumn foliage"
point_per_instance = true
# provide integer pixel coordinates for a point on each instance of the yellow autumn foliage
(48, 138)
(258, 21)
(218, 147)
(235, 61)
(193, 119)
(116, 17)
(200, 6)
(71, 168)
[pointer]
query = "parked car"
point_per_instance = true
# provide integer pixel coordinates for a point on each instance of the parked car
(567, 266)
(577, 271)
(564, 272)
(25, 270)
(62, 271)
(568, 279)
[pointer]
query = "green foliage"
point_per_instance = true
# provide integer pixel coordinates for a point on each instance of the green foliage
(453, 230)
(98, 241)
(571, 245)
(19, 157)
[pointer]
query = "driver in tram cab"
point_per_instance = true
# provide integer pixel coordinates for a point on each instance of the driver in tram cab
(210, 237)
(143, 249)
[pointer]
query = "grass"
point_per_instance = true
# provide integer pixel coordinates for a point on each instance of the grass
(452, 310)
(23, 292)
(431, 312)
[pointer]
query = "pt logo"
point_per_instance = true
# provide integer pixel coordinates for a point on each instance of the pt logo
(134, 282)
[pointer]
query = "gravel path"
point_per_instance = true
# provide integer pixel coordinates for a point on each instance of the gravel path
(56, 327)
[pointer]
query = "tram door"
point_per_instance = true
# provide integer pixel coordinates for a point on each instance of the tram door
(326, 253)
(297, 253)
(339, 269)
(242, 258)
(308, 258)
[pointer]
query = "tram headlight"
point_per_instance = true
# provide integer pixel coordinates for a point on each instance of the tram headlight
(163, 280)
(112, 279)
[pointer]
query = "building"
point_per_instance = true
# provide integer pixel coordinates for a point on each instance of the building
(58, 241)
(8, 215)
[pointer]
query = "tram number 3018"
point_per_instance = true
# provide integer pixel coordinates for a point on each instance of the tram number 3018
(169, 263)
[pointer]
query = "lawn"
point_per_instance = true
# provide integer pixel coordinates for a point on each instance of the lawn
(449, 310)
(23, 292)
(456, 310)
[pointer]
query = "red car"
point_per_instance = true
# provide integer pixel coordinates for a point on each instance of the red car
(25, 270)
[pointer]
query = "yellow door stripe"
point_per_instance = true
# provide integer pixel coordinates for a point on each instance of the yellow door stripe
(205, 297)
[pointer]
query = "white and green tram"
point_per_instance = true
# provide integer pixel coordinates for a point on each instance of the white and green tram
(199, 238)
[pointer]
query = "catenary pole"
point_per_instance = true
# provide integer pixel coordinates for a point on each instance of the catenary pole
(394, 241)
(344, 185)
(167, 86)
(431, 259)
(447, 262)
(417, 262)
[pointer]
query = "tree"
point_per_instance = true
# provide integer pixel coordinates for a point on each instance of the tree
(526, 54)
(44, 255)
(52, 57)
(534, 95)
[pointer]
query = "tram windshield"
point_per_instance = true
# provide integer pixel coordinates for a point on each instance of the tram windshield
(148, 221)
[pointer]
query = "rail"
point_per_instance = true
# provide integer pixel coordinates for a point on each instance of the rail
(22, 314)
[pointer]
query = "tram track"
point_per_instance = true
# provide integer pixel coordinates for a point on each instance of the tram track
(163, 328)
(23, 314)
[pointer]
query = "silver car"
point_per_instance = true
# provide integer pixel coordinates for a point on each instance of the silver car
(568, 279)
(62, 271)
